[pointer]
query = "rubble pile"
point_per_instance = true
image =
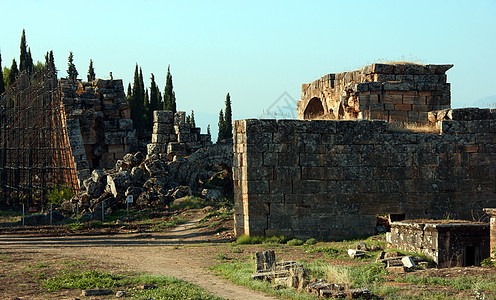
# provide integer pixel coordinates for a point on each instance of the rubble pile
(180, 162)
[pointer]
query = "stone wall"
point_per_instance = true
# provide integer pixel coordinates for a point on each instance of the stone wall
(100, 130)
(391, 92)
(331, 178)
(174, 137)
(448, 243)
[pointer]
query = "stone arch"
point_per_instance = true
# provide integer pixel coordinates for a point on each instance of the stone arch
(314, 109)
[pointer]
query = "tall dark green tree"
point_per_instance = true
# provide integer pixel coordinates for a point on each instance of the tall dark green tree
(154, 99)
(52, 62)
(13, 73)
(222, 124)
(2, 84)
(91, 72)
(30, 65)
(23, 59)
(208, 129)
(228, 127)
(72, 73)
(129, 91)
(137, 100)
(193, 123)
(169, 95)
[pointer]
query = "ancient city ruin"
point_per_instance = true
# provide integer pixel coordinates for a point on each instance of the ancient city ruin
(67, 132)
(390, 145)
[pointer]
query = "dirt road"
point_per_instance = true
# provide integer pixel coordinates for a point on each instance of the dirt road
(183, 252)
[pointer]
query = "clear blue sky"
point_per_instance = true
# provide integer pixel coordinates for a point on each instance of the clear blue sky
(256, 50)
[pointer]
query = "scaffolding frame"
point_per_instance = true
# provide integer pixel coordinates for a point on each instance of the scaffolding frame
(35, 155)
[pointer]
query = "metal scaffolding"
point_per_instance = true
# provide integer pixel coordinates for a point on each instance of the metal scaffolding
(35, 154)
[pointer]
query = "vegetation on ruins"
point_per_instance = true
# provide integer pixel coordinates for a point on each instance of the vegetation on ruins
(91, 71)
(72, 73)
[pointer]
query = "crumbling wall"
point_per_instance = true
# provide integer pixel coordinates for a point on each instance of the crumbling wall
(331, 178)
(448, 243)
(174, 137)
(396, 92)
(100, 130)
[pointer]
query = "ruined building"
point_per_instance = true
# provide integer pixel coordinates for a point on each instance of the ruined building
(56, 132)
(331, 178)
(390, 92)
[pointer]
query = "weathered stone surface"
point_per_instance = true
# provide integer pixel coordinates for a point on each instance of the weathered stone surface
(212, 194)
(116, 183)
(96, 292)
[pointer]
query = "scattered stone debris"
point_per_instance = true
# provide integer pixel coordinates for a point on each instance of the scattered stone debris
(360, 251)
(96, 292)
(284, 273)
(324, 289)
(120, 294)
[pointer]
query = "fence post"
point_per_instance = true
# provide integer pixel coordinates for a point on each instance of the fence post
(23, 214)
(77, 212)
(103, 211)
(51, 209)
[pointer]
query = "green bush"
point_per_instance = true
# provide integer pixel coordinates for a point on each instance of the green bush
(244, 239)
(295, 242)
(59, 193)
(311, 241)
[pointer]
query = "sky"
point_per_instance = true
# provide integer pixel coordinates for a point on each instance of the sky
(258, 51)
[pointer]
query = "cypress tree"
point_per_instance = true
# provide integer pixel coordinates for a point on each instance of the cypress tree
(129, 92)
(30, 65)
(154, 99)
(208, 129)
(91, 72)
(222, 123)
(134, 99)
(52, 62)
(13, 73)
(2, 84)
(228, 128)
(72, 73)
(193, 124)
(23, 59)
(169, 95)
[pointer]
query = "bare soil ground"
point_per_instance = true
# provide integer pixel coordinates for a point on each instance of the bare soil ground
(185, 252)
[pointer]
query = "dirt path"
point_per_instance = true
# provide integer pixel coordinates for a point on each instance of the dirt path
(182, 252)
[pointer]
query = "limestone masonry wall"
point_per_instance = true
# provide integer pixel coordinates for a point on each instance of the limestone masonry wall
(331, 178)
(391, 92)
(98, 122)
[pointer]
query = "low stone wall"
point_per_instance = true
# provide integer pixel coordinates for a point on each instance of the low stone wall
(331, 178)
(448, 243)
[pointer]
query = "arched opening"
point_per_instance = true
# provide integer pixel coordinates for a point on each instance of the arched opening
(314, 109)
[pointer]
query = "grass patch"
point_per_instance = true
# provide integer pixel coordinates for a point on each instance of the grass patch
(168, 224)
(75, 226)
(168, 287)
(189, 203)
(240, 273)
(311, 241)
(461, 283)
(244, 239)
(82, 280)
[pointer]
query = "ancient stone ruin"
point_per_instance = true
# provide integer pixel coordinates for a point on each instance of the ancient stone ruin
(448, 243)
(332, 178)
(398, 92)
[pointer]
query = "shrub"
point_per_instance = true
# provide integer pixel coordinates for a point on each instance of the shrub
(295, 242)
(311, 241)
(59, 193)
